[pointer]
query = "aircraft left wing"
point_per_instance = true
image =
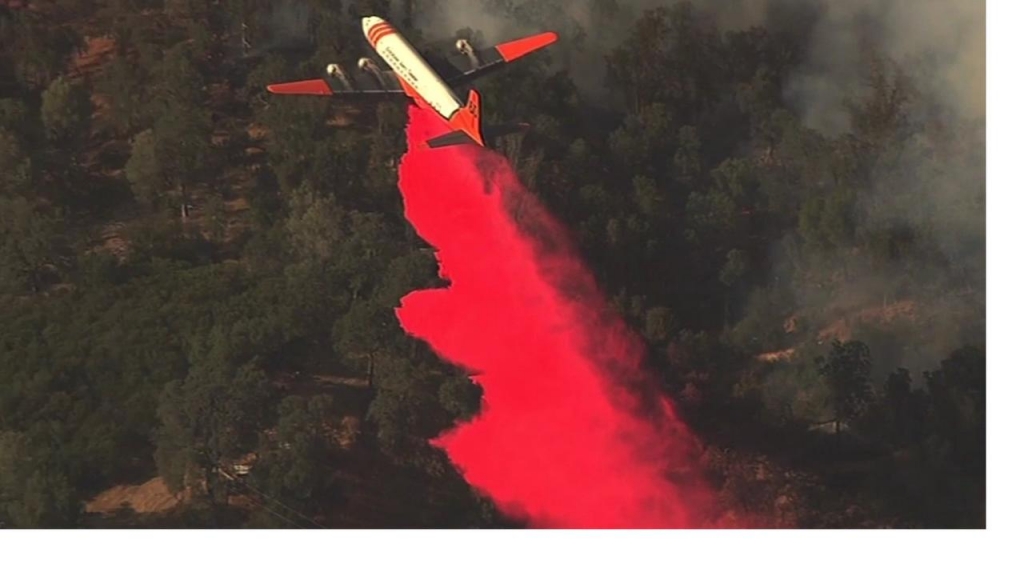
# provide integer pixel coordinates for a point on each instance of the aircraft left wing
(372, 82)
(476, 63)
(379, 83)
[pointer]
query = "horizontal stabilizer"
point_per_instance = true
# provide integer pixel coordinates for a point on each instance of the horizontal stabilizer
(450, 139)
(458, 137)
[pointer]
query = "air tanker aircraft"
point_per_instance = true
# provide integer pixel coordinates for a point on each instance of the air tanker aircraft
(412, 76)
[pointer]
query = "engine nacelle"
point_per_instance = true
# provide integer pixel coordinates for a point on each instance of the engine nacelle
(463, 46)
(338, 73)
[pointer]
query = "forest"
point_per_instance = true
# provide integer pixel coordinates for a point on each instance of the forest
(198, 280)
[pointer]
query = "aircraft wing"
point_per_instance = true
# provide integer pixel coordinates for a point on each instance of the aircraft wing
(473, 64)
(381, 83)
(373, 82)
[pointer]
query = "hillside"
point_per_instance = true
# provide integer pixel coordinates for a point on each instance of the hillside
(193, 274)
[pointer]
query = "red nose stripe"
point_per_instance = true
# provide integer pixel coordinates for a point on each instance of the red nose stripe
(379, 31)
(380, 36)
(375, 29)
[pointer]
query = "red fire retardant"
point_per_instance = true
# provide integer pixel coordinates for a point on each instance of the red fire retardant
(573, 432)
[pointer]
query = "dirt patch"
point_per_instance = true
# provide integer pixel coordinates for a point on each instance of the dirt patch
(98, 51)
(777, 356)
(148, 498)
(340, 119)
(346, 432)
(257, 132)
(113, 242)
(326, 379)
(792, 324)
(842, 329)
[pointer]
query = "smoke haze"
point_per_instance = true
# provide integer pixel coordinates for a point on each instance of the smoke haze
(939, 45)
(942, 40)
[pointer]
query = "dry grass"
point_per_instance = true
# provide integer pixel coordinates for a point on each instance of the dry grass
(842, 329)
(149, 498)
(98, 51)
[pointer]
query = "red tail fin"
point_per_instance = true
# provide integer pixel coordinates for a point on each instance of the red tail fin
(467, 119)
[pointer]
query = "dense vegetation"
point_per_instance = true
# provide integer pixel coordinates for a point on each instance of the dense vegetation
(192, 273)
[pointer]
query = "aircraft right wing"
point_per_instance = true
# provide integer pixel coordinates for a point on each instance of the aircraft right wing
(476, 63)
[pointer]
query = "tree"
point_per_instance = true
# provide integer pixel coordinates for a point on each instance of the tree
(39, 48)
(670, 56)
(169, 161)
(406, 412)
(215, 414)
(846, 373)
(16, 119)
(35, 492)
(659, 325)
(734, 269)
(145, 171)
(827, 221)
(315, 226)
(364, 330)
(636, 68)
(125, 86)
(369, 250)
(369, 325)
(460, 397)
(30, 243)
(180, 86)
(66, 113)
(761, 327)
(292, 468)
(904, 408)
(882, 115)
(15, 165)
(732, 272)
(645, 139)
(271, 69)
(183, 143)
(686, 164)
(957, 391)
(295, 136)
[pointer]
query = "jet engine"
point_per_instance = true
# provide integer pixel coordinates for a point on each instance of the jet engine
(370, 67)
(335, 71)
(464, 47)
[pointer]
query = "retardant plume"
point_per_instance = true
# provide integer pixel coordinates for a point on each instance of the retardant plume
(572, 432)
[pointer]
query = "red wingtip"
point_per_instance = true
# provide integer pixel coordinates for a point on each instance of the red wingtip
(519, 48)
(315, 87)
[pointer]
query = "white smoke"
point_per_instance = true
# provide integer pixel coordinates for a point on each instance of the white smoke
(941, 41)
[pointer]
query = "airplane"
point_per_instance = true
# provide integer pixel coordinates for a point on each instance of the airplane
(410, 75)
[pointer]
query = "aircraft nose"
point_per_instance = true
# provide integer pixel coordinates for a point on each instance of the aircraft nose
(370, 22)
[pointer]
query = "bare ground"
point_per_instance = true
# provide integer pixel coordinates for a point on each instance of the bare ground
(149, 498)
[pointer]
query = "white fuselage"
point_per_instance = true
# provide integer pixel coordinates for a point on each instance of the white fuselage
(411, 67)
